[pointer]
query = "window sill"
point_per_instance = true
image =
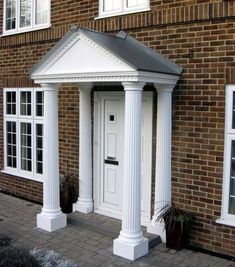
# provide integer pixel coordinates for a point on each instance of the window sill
(25, 175)
(121, 13)
(9, 33)
(225, 222)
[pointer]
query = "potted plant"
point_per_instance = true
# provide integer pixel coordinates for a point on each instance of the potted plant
(177, 223)
(68, 192)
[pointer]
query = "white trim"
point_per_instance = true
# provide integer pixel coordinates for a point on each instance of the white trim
(6, 33)
(116, 76)
(229, 136)
(32, 27)
(122, 13)
(123, 10)
(25, 175)
(18, 119)
(225, 222)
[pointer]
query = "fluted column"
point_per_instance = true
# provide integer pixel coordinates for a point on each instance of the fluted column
(85, 201)
(131, 244)
(51, 218)
(163, 156)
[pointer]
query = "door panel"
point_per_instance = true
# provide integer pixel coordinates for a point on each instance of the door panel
(111, 187)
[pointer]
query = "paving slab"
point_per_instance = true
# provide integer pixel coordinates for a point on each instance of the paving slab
(84, 246)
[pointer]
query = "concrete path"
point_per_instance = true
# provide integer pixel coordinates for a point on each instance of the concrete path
(85, 247)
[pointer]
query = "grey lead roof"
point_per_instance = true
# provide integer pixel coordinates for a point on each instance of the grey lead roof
(126, 48)
(133, 52)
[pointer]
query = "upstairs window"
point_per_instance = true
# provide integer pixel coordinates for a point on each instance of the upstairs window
(23, 132)
(25, 15)
(120, 7)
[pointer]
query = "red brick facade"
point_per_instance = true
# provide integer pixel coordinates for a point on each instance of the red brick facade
(196, 34)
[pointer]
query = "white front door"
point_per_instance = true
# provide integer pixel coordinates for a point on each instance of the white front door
(109, 151)
(112, 144)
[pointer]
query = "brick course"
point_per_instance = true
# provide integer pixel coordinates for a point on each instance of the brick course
(196, 34)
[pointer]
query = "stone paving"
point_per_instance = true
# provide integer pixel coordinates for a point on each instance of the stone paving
(85, 247)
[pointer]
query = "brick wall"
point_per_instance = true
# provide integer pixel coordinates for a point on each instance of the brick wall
(199, 36)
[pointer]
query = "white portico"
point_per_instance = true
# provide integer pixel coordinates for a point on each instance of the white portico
(87, 58)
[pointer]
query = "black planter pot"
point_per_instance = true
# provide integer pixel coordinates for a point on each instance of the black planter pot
(176, 235)
(67, 198)
(66, 203)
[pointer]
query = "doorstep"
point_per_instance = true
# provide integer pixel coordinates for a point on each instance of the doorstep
(105, 225)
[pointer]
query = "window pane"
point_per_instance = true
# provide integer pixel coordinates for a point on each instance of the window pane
(231, 205)
(26, 146)
(42, 11)
(11, 144)
(110, 5)
(233, 149)
(39, 103)
(233, 168)
(233, 120)
(232, 187)
(232, 181)
(39, 144)
(11, 103)
(25, 13)
(135, 3)
(25, 103)
(10, 14)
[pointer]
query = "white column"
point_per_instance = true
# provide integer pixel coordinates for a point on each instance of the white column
(131, 244)
(163, 157)
(85, 201)
(51, 218)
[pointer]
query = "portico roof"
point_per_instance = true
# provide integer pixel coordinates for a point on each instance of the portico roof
(87, 55)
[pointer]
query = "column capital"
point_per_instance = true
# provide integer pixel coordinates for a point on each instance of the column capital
(164, 87)
(85, 86)
(133, 86)
(50, 86)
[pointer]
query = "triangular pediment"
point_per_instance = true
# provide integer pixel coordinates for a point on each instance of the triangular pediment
(84, 55)
(79, 54)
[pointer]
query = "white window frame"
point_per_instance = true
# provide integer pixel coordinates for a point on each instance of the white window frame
(123, 10)
(229, 136)
(33, 119)
(32, 27)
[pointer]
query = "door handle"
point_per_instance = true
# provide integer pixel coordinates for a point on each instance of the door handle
(110, 161)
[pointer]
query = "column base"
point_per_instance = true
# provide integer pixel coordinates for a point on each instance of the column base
(51, 224)
(130, 251)
(84, 206)
(157, 228)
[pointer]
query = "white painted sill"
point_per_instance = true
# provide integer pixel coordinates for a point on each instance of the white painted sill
(121, 13)
(225, 222)
(9, 33)
(25, 176)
